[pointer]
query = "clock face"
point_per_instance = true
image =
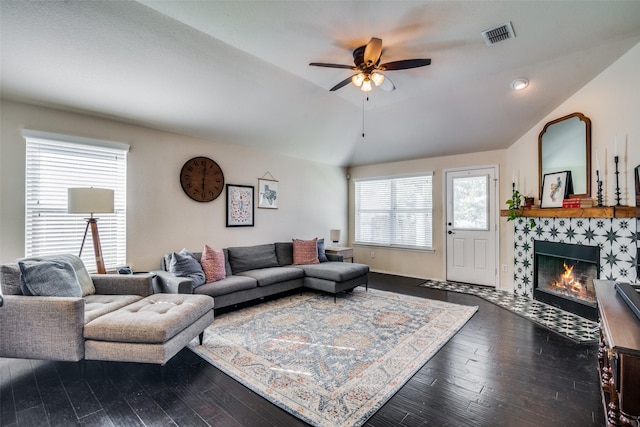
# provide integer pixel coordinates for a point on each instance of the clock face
(202, 179)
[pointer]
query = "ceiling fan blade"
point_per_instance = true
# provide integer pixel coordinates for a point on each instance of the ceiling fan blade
(404, 64)
(373, 51)
(341, 84)
(387, 85)
(322, 64)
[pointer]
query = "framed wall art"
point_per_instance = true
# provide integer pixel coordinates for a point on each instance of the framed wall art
(555, 188)
(267, 193)
(240, 205)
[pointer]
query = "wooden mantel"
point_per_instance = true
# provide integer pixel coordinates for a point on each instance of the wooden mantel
(604, 212)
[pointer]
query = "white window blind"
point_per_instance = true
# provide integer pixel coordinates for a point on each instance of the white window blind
(55, 163)
(395, 211)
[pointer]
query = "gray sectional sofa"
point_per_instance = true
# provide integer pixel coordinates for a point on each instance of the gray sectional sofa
(113, 318)
(254, 272)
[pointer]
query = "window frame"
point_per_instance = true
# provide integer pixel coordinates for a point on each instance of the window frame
(49, 229)
(393, 212)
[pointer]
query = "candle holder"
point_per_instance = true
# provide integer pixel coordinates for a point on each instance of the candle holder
(516, 200)
(615, 159)
(599, 182)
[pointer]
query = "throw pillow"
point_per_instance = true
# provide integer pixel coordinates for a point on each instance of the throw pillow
(322, 257)
(86, 283)
(213, 264)
(51, 278)
(305, 251)
(185, 264)
(10, 274)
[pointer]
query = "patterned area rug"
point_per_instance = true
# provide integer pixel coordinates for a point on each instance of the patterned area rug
(568, 324)
(331, 364)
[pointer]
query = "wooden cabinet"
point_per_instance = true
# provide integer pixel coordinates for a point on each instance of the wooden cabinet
(618, 357)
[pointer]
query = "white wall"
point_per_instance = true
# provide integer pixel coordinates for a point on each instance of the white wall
(407, 262)
(160, 217)
(612, 102)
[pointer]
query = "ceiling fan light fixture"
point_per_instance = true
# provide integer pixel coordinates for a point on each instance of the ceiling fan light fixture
(377, 78)
(366, 85)
(520, 83)
(357, 79)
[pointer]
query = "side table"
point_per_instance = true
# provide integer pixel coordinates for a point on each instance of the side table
(347, 253)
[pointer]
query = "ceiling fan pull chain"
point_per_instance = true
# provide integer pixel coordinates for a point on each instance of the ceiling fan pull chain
(363, 96)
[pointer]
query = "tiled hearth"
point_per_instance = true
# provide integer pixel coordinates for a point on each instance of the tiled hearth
(617, 238)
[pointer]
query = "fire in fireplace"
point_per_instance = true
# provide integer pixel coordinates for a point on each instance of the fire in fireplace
(569, 285)
(564, 274)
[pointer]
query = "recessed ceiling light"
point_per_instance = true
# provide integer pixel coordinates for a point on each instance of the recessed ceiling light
(519, 83)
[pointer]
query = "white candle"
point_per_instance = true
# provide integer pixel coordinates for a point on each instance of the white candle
(597, 161)
(513, 180)
(616, 147)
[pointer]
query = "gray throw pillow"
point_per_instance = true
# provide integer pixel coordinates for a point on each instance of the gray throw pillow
(86, 283)
(51, 277)
(185, 264)
(322, 257)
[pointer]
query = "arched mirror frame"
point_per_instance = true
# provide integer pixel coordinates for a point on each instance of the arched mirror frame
(587, 148)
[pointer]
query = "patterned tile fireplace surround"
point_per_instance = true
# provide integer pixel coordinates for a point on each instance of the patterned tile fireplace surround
(616, 237)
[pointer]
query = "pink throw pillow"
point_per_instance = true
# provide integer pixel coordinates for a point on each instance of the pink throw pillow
(305, 251)
(212, 262)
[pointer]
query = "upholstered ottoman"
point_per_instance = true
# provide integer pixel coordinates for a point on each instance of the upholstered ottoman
(334, 277)
(151, 330)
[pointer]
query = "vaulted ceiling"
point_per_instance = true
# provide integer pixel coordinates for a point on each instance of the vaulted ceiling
(237, 71)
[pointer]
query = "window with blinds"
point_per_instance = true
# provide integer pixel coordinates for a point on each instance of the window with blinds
(55, 163)
(395, 212)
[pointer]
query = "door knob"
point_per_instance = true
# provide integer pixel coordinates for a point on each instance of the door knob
(450, 232)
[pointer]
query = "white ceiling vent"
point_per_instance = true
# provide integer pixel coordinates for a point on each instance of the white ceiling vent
(498, 34)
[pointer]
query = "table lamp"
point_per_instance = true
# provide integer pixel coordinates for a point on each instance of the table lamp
(91, 201)
(335, 236)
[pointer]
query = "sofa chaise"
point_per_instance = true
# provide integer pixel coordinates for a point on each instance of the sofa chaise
(254, 272)
(112, 318)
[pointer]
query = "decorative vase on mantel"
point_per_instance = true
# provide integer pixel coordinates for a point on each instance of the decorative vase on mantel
(528, 202)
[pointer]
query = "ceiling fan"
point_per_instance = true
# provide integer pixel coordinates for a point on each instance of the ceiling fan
(367, 64)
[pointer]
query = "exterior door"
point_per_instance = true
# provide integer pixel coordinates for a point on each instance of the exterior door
(472, 226)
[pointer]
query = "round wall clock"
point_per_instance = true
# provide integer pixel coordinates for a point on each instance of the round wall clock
(202, 179)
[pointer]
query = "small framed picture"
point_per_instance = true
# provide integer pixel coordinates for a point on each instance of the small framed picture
(268, 193)
(555, 188)
(240, 205)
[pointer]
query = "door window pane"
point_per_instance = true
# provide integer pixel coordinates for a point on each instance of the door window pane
(471, 203)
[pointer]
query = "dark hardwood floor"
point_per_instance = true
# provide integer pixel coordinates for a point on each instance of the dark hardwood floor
(500, 369)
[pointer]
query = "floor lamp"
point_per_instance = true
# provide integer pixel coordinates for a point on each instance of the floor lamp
(91, 201)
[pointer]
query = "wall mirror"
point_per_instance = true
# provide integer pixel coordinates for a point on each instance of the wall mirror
(565, 145)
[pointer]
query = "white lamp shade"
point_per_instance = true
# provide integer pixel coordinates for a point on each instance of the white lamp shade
(335, 235)
(89, 200)
(357, 79)
(377, 78)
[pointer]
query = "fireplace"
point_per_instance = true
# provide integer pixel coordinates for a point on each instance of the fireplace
(564, 274)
